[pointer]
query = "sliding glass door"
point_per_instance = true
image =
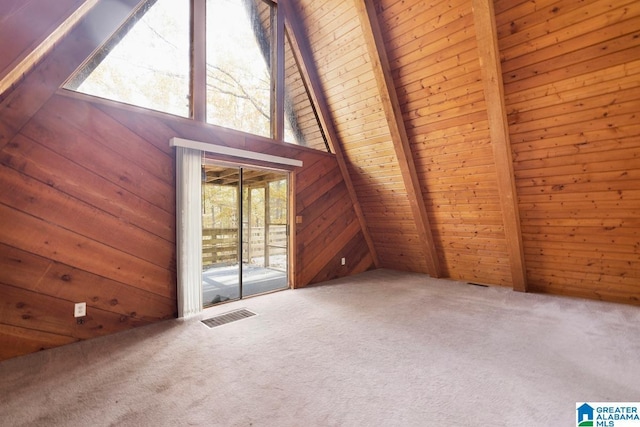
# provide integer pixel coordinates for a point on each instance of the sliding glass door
(244, 232)
(221, 187)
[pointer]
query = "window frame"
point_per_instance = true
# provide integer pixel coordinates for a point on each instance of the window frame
(197, 70)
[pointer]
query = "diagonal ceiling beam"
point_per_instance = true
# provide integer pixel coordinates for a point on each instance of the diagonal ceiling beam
(486, 35)
(302, 51)
(393, 113)
(17, 70)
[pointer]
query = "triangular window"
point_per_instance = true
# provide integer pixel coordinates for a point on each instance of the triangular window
(146, 62)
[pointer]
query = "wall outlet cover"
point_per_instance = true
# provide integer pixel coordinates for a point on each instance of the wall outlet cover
(80, 309)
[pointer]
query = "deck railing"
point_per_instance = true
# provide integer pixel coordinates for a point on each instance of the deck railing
(220, 245)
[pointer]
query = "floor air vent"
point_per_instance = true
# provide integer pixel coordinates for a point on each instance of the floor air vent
(229, 317)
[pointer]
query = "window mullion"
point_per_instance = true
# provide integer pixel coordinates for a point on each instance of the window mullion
(198, 61)
(277, 117)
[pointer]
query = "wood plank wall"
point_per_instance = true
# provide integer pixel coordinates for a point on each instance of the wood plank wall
(433, 55)
(87, 210)
(335, 36)
(572, 86)
(329, 229)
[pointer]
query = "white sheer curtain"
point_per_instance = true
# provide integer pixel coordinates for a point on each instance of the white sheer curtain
(189, 230)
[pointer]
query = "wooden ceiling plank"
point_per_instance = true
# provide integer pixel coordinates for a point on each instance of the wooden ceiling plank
(489, 57)
(302, 51)
(389, 97)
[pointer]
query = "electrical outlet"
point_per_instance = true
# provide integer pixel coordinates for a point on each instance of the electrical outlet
(343, 261)
(80, 309)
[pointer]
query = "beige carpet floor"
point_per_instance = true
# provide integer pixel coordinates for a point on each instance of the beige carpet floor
(380, 349)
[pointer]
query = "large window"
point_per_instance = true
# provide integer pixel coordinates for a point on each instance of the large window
(239, 77)
(146, 63)
(149, 62)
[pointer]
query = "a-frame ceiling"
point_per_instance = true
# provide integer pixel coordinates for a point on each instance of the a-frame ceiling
(384, 114)
(502, 128)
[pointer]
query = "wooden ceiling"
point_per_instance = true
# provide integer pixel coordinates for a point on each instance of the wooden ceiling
(404, 84)
(493, 142)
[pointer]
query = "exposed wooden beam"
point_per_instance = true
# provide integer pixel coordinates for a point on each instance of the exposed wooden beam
(302, 51)
(16, 71)
(389, 97)
(487, 39)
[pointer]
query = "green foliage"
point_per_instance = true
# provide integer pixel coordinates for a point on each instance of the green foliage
(219, 206)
